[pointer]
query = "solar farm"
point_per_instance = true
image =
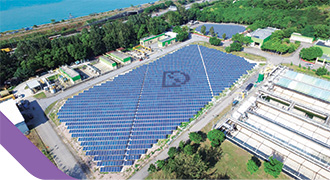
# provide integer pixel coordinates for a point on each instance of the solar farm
(288, 119)
(220, 29)
(118, 121)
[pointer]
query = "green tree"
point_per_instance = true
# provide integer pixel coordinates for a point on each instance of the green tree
(216, 137)
(252, 166)
(172, 152)
(195, 137)
(152, 168)
(160, 164)
(311, 53)
(211, 31)
(241, 38)
(203, 30)
(188, 149)
(174, 18)
(214, 41)
(181, 145)
(168, 3)
(273, 167)
(224, 36)
(53, 21)
(321, 71)
(235, 46)
(8, 66)
(190, 166)
(181, 36)
(95, 40)
(308, 31)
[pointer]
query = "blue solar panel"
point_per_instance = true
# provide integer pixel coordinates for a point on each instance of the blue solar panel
(220, 29)
(117, 121)
(111, 169)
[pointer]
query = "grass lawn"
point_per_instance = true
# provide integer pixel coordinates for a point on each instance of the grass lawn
(208, 127)
(35, 139)
(239, 53)
(26, 87)
(40, 95)
(233, 163)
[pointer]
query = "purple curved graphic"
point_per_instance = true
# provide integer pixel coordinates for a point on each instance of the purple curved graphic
(26, 153)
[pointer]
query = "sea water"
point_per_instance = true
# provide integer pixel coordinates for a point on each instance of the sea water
(17, 14)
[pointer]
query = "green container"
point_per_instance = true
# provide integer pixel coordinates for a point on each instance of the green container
(260, 78)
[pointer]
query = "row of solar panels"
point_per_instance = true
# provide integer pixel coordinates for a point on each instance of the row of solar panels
(101, 143)
(81, 125)
(124, 115)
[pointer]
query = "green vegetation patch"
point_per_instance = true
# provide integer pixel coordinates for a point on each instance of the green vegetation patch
(40, 95)
(50, 107)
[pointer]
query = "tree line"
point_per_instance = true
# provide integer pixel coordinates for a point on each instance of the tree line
(301, 16)
(39, 54)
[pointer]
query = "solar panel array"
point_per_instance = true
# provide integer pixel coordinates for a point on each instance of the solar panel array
(223, 69)
(220, 29)
(117, 122)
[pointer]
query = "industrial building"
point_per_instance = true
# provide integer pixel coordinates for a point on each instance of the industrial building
(151, 39)
(72, 75)
(169, 38)
(288, 118)
(34, 85)
(261, 36)
(119, 57)
(325, 46)
(11, 111)
(163, 40)
(301, 38)
(107, 61)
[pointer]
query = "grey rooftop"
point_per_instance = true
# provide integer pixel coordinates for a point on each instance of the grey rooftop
(263, 33)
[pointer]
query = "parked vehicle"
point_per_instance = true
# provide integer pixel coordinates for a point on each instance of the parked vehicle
(249, 87)
(235, 102)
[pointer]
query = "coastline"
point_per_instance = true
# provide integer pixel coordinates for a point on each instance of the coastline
(67, 22)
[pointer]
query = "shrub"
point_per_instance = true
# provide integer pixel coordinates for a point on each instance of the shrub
(216, 137)
(152, 168)
(321, 71)
(214, 41)
(235, 46)
(172, 152)
(252, 166)
(273, 167)
(160, 164)
(311, 53)
(203, 30)
(188, 149)
(195, 137)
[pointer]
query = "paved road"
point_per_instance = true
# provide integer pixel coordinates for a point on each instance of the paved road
(277, 59)
(143, 173)
(65, 160)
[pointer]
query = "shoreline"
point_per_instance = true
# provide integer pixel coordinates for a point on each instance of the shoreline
(98, 15)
